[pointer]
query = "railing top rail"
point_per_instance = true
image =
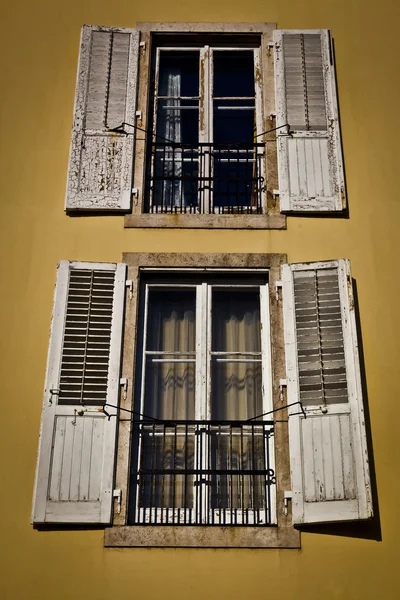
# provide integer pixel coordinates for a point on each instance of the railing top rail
(173, 422)
(209, 144)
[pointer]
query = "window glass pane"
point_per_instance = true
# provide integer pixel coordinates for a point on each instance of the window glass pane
(167, 448)
(236, 374)
(178, 121)
(169, 389)
(234, 121)
(233, 73)
(170, 374)
(179, 73)
(235, 390)
(171, 320)
(236, 320)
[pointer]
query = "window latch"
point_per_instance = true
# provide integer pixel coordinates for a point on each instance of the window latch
(282, 384)
(124, 383)
(129, 285)
(278, 286)
(118, 495)
(288, 495)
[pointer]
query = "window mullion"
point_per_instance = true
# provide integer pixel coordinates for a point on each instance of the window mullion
(204, 131)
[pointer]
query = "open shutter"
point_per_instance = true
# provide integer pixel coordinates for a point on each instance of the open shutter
(75, 469)
(101, 161)
(310, 163)
(328, 449)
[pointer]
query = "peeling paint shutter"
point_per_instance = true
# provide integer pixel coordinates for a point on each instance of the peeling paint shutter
(101, 161)
(328, 448)
(310, 163)
(75, 470)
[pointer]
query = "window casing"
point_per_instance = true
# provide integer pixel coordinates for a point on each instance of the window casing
(203, 451)
(207, 155)
(151, 206)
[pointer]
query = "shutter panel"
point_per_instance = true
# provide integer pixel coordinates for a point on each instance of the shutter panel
(310, 163)
(75, 470)
(101, 161)
(328, 448)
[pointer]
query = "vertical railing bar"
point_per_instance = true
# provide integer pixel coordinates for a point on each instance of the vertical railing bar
(252, 475)
(185, 501)
(163, 182)
(197, 486)
(242, 469)
(201, 474)
(240, 208)
(181, 179)
(268, 468)
(230, 457)
(219, 476)
(163, 481)
(152, 474)
(210, 511)
(174, 428)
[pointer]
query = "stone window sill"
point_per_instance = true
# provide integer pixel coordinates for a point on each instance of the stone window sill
(201, 537)
(188, 221)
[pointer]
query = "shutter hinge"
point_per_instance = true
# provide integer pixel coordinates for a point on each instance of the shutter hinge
(118, 495)
(271, 45)
(276, 193)
(138, 114)
(124, 383)
(288, 495)
(129, 285)
(272, 115)
(278, 286)
(142, 45)
(282, 384)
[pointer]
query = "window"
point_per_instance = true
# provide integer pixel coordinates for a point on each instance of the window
(217, 146)
(202, 451)
(210, 354)
(207, 155)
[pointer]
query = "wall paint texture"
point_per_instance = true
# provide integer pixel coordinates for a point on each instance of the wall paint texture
(39, 56)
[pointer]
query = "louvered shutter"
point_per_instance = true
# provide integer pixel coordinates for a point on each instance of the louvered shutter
(75, 470)
(328, 449)
(310, 163)
(101, 161)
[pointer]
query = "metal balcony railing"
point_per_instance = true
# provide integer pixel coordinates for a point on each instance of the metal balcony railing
(204, 473)
(206, 178)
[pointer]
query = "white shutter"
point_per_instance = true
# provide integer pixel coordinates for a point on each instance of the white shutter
(101, 161)
(328, 448)
(310, 163)
(75, 469)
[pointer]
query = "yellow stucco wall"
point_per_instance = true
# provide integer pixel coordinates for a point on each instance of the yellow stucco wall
(39, 54)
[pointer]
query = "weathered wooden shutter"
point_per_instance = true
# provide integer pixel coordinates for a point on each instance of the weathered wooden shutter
(75, 470)
(310, 163)
(101, 161)
(328, 449)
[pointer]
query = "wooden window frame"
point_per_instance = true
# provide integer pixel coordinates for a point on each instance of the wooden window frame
(283, 535)
(271, 218)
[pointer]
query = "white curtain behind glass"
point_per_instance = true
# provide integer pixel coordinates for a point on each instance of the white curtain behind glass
(169, 127)
(236, 386)
(236, 395)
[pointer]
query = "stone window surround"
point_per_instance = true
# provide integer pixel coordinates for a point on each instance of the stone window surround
(281, 536)
(272, 218)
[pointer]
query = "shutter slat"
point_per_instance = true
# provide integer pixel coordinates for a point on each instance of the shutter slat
(118, 79)
(98, 80)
